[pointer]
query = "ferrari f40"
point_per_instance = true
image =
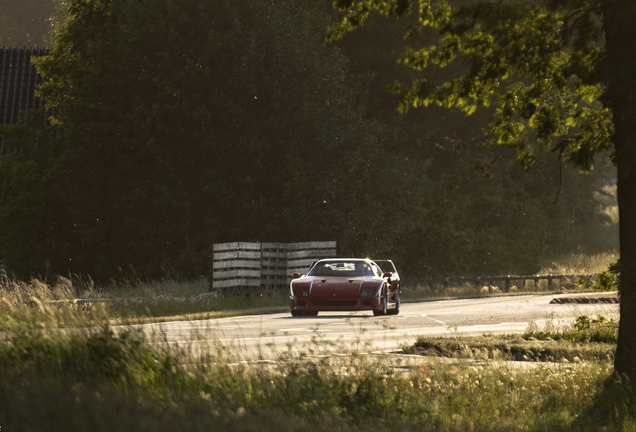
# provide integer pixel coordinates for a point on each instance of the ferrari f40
(346, 284)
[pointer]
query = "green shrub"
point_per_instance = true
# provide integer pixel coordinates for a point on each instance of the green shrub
(584, 329)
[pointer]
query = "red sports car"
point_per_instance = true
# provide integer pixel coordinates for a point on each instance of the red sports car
(346, 284)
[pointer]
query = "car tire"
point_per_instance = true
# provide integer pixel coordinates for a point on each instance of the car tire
(311, 313)
(296, 313)
(398, 304)
(382, 311)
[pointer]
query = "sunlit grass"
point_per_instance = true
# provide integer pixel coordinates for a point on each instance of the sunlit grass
(173, 299)
(118, 381)
(575, 265)
(584, 329)
(154, 289)
(578, 264)
(36, 305)
(80, 375)
(494, 288)
(44, 305)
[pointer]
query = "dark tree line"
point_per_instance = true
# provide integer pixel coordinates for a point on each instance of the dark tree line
(184, 123)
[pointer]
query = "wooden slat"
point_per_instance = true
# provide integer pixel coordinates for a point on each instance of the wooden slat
(252, 264)
(237, 283)
(274, 272)
(282, 247)
(313, 253)
(271, 255)
(305, 262)
(237, 254)
(224, 274)
(237, 246)
(311, 245)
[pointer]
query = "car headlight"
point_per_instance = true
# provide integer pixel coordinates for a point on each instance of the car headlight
(368, 292)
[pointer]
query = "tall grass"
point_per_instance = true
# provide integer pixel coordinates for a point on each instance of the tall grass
(143, 300)
(38, 304)
(584, 329)
(106, 381)
(564, 346)
(492, 288)
(578, 264)
(572, 264)
(91, 378)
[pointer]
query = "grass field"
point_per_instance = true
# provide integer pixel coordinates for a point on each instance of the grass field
(94, 379)
(62, 368)
(578, 264)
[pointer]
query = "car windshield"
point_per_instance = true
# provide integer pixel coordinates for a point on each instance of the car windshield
(341, 268)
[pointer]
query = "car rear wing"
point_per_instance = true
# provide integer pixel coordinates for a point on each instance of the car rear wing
(386, 264)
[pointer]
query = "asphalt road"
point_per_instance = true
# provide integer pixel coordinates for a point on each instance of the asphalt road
(268, 336)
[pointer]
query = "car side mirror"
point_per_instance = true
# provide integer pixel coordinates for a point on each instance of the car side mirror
(387, 275)
(295, 275)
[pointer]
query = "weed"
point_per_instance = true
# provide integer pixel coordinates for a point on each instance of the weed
(578, 264)
(77, 301)
(584, 329)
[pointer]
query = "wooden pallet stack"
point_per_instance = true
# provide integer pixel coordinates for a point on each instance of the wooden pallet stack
(273, 267)
(245, 268)
(236, 267)
(301, 255)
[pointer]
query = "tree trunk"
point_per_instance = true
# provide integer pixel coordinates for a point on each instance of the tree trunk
(619, 17)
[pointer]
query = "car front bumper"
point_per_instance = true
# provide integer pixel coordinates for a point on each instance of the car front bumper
(321, 304)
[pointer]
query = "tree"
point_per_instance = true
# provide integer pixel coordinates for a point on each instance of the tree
(480, 223)
(32, 212)
(182, 123)
(559, 77)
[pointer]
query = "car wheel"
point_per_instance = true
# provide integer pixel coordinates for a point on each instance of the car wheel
(398, 303)
(296, 313)
(383, 310)
(311, 313)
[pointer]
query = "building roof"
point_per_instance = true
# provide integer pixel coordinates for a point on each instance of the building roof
(18, 82)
